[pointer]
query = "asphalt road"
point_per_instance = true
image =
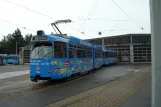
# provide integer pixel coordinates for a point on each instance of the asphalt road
(51, 94)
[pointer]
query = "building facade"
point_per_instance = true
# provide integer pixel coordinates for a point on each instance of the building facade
(131, 48)
(24, 55)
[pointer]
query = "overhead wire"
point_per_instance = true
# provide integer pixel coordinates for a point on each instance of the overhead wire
(13, 23)
(74, 28)
(94, 9)
(114, 29)
(87, 17)
(125, 13)
(111, 20)
(37, 13)
(89, 14)
(16, 25)
(30, 9)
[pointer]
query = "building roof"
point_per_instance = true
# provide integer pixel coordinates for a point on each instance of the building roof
(141, 34)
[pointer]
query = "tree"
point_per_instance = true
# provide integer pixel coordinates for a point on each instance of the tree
(17, 39)
(3, 45)
(8, 43)
(28, 39)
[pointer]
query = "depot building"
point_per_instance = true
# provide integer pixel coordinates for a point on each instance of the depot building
(131, 48)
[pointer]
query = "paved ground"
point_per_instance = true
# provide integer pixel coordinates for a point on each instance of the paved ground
(51, 94)
(13, 74)
(12, 68)
(105, 95)
(142, 98)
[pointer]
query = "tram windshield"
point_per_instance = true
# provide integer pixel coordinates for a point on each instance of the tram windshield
(41, 50)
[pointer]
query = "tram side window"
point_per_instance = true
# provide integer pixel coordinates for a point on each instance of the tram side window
(72, 51)
(89, 53)
(84, 54)
(109, 54)
(98, 54)
(112, 54)
(71, 54)
(101, 54)
(78, 53)
(106, 54)
(59, 49)
(12, 57)
(81, 52)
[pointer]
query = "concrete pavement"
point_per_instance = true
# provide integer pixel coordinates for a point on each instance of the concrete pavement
(51, 94)
(140, 99)
(13, 74)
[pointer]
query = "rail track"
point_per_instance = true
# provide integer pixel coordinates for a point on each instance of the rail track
(79, 101)
(6, 93)
(121, 92)
(31, 87)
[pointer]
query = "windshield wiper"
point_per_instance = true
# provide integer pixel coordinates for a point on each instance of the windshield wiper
(46, 54)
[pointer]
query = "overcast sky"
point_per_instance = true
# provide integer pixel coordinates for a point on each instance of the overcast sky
(104, 17)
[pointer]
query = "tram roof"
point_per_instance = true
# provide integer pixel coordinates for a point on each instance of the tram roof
(3, 54)
(78, 41)
(54, 37)
(109, 50)
(12, 55)
(99, 47)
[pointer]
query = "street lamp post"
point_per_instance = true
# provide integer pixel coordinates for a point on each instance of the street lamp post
(16, 47)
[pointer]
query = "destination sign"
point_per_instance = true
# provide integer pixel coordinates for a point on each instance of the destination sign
(40, 38)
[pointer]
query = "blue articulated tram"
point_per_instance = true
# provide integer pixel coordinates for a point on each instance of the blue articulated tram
(9, 59)
(109, 57)
(80, 55)
(98, 56)
(13, 59)
(58, 56)
(1, 60)
(4, 59)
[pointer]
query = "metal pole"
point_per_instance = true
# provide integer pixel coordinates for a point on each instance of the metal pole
(16, 47)
(155, 13)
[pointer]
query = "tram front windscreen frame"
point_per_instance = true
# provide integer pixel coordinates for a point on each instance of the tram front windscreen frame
(42, 50)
